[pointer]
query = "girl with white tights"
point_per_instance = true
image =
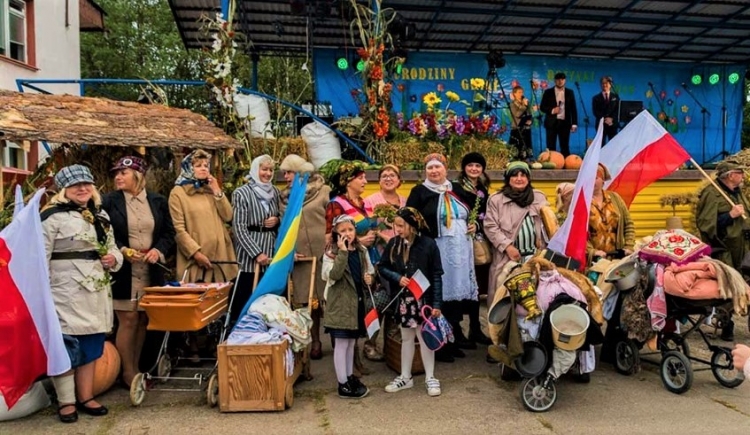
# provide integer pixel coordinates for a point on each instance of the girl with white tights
(403, 256)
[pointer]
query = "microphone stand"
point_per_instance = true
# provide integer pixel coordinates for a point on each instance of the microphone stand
(534, 102)
(585, 116)
(661, 106)
(704, 112)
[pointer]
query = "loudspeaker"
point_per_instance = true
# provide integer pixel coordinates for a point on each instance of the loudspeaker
(629, 110)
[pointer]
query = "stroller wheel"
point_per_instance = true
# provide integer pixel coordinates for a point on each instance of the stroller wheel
(626, 357)
(137, 389)
(538, 395)
(671, 341)
(212, 392)
(164, 367)
(723, 368)
(676, 372)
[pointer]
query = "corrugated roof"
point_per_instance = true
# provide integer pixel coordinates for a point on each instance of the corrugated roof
(709, 31)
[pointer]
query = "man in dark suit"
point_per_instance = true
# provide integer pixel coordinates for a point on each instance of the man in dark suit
(559, 104)
(605, 105)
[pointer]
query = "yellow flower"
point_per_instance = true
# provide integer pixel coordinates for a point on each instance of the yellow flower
(477, 83)
(685, 109)
(431, 99)
(452, 96)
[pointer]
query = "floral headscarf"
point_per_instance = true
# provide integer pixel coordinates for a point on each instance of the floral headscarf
(347, 171)
(187, 175)
(413, 217)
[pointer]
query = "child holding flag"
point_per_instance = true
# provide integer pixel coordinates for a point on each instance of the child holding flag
(412, 262)
(347, 270)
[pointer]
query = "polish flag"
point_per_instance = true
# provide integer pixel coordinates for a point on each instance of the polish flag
(31, 344)
(640, 154)
(570, 239)
(372, 322)
(418, 283)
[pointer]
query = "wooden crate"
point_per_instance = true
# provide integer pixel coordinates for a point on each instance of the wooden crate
(253, 377)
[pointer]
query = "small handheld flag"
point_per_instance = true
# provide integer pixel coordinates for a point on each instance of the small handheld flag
(418, 284)
(372, 322)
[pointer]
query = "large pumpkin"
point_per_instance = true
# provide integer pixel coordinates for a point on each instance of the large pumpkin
(553, 157)
(573, 162)
(106, 369)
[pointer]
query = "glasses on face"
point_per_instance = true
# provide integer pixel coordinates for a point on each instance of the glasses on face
(388, 176)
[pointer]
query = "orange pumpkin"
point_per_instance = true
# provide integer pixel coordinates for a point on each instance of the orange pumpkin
(573, 162)
(553, 157)
(106, 369)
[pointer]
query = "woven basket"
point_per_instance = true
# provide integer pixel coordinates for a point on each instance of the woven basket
(392, 350)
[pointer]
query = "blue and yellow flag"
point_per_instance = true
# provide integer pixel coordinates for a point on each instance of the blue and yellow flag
(282, 263)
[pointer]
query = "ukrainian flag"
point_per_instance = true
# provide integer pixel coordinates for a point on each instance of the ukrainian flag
(275, 279)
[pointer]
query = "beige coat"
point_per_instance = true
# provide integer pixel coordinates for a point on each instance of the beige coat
(502, 222)
(199, 222)
(311, 241)
(83, 300)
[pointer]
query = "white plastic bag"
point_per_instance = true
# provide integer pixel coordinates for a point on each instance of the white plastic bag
(34, 400)
(322, 144)
(257, 109)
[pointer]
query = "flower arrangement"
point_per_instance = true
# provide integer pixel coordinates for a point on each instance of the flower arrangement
(675, 199)
(387, 213)
(474, 215)
(102, 248)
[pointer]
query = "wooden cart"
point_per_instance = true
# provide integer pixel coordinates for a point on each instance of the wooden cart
(253, 377)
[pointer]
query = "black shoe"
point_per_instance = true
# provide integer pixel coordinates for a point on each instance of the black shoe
(480, 338)
(96, 412)
(583, 378)
(727, 332)
(443, 355)
(349, 391)
(458, 353)
(508, 374)
(67, 418)
(355, 382)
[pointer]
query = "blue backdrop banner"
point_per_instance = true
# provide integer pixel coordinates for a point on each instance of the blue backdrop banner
(669, 100)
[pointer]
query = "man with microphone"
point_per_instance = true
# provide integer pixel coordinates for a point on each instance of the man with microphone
(520, 130)
(559, 106)
(605, 105)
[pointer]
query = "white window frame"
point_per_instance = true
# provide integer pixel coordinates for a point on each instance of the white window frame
(19, 151)
(5, 12)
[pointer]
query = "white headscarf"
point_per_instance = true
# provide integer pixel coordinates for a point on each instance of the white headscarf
(437, 188)
(264, 191)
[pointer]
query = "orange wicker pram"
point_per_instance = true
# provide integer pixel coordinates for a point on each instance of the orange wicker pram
(188, 308)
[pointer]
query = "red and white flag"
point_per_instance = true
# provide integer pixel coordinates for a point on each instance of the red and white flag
(372, 322)
(640, 154)
(418, 284)
(31, 343)
(571, 238)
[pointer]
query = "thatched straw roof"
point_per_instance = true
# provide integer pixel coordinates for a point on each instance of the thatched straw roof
(99, 121)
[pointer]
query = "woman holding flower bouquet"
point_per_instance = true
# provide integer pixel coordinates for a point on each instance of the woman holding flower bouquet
(446, 213)
(81, 253)
(475, 184)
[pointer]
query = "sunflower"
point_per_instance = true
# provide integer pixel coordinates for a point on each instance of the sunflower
(452, 96)
(477, 83)
(431, 99)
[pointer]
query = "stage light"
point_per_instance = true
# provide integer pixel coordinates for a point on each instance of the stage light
(342, 63)
(361, 65)
(495, 59)
(714, 78)
(399, 68)
(696, 79)
(734, 78)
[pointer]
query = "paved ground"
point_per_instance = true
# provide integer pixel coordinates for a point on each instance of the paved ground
(474, 401)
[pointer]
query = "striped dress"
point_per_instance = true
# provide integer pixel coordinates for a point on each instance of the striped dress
(251, 238)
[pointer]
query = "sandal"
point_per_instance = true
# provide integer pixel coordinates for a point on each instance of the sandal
(67, 418)
(316, 352)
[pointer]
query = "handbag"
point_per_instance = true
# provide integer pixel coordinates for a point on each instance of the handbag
(482, 250)
(432, 334)
(378, 296)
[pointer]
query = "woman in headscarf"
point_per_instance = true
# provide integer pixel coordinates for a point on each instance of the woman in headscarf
(347, 186)
(610, 227)
(405, 254)
(389, 179)
(144, 233)
(199, 211)
(446, 214)
(80, 251)
(475, 184)
(311, 242)
(255, 225)
(563, 197)
(513, 223)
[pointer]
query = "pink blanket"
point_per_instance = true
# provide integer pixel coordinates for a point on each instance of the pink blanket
(695, 280)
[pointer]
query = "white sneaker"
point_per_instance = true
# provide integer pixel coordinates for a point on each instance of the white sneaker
(433, 387)
(399, 384)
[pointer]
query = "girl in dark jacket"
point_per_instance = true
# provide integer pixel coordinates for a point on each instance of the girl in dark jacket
(404, 255)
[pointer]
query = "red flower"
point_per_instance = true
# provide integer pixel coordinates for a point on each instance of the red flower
(363, 53)
(376, 73)
(653, 244)
(400, 87)
(676, 239)
(679, 251)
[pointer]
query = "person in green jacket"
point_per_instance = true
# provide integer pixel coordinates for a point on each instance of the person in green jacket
(722, 225)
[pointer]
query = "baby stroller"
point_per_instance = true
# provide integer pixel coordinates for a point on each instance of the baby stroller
(675, 365)
(187, 307)
(563, 346)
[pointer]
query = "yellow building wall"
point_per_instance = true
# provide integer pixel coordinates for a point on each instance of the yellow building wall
(647, 213)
